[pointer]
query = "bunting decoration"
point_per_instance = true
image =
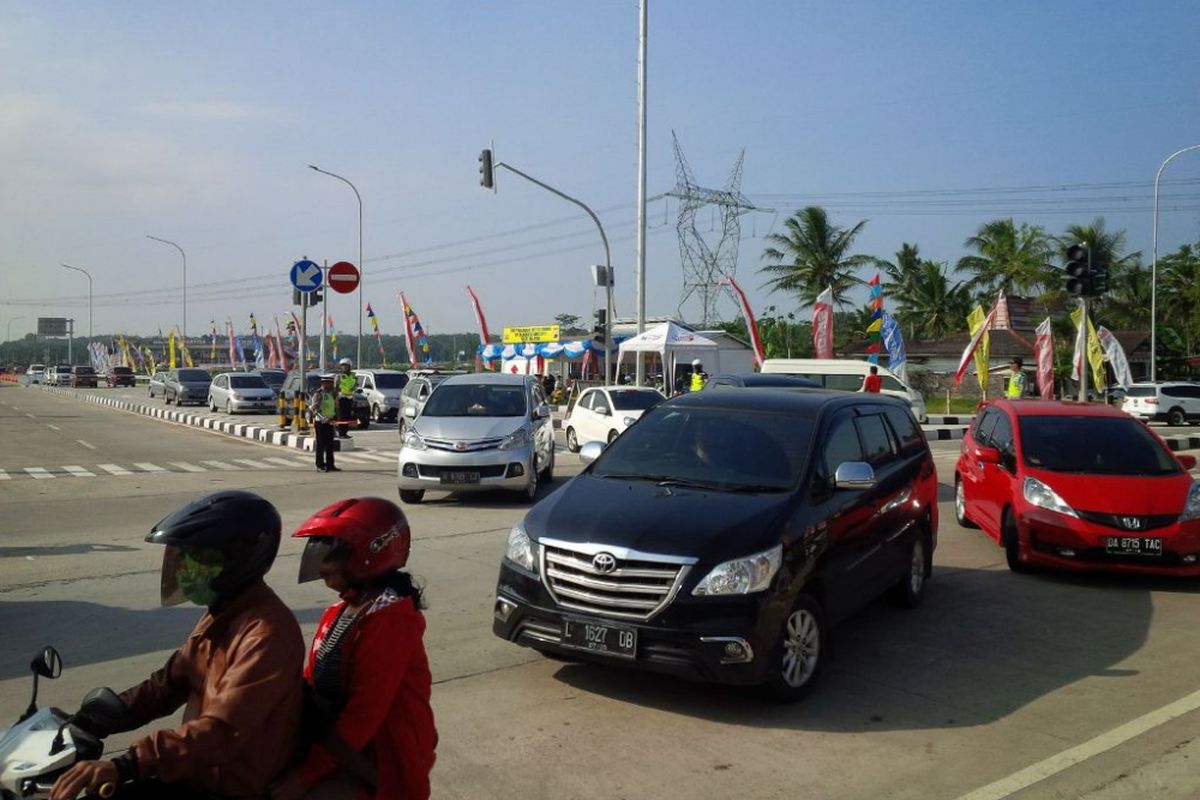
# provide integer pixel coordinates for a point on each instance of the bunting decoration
(1116, 357)
(822, 325)
(379, 336)
(893, 342)
(979, 325)
(751, 323)
(875, 327)
(415, 335)
(1043, 353)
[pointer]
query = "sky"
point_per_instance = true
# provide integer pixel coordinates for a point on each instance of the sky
(195, 122)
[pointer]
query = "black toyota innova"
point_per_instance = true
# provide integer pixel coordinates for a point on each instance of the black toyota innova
(721, 536)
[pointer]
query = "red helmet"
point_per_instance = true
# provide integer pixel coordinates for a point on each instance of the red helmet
(370, 533)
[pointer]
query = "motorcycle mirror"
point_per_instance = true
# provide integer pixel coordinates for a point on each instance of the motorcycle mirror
(48, 664)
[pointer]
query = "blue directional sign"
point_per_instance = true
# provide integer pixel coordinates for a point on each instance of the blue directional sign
(306, 276)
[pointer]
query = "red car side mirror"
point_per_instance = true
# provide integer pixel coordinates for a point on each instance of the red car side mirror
(988, 455)
(1188, 461)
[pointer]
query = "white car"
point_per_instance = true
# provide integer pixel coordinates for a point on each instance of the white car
(382, 388)
(232, 392)
(602, 414)
(1174, 403)
(847, 375)
(35, 373)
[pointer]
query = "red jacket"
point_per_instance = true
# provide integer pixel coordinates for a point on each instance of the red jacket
(387, 683)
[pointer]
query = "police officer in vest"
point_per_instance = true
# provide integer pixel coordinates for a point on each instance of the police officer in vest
(699, 376)
(346, 384)
(1016, 380)
(322, 409)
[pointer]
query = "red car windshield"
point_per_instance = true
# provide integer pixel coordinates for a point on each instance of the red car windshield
(1093, 446)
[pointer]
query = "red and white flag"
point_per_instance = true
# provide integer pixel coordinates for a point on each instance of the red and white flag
(974, 343)
(281, 346)
(1043, 351)
(484, 337)
(822, 325)
(751, 323)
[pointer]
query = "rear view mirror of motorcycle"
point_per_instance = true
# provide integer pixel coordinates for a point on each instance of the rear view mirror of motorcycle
(103, 709)
(48, 664)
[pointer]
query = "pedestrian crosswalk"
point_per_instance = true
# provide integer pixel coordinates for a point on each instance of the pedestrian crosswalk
(296, 461)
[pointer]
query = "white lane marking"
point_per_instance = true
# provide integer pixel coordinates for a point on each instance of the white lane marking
(219, 465)
(113, 469)
(53, 427)
(146, 466)
(79, 472)
(31, 416)
(38, 472)
(375, 457)
(85, 444)
(1082, 752)
(4, 476)
(283, 462)
(353, 458)
(186, 467)
(251, 463)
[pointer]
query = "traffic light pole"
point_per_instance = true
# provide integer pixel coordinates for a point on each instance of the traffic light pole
(607, 261)
(324, 310)
(1083, 358)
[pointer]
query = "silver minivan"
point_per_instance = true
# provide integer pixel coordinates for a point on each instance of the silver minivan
(478, 432)
(232, 392)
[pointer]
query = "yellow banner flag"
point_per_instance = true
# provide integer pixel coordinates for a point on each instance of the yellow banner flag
(974, 320)
(184, 353)
(150, 361)
(171, 349)
(1095, 352)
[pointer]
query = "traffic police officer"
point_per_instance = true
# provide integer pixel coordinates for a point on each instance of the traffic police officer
(699, 376)
(1016, 380)
(322, 408)
(346, 384)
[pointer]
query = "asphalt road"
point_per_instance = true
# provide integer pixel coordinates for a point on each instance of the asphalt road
(1090, 681)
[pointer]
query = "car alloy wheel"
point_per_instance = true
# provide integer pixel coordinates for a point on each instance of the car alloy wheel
(960, 505)
(532, 489)
(1012, 544)
(548, 472)
(612, 436)
(572, 440)
(910, 590)
(1176, 417)
(229, 407)
(376, 415)
(800, 650)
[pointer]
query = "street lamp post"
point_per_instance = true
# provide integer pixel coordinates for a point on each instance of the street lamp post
(1154, 264)
(89, 277)
(183, 331)
(8, 329)
(361, 270)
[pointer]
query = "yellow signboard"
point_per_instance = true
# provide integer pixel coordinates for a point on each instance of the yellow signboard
(531, 334)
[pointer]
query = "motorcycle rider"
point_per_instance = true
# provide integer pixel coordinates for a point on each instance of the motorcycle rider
(346, 384)
(235, 675)
(367, 673)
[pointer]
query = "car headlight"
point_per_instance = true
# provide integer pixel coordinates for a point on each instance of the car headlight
(742, 575)
(516, 439)
(413, 439)
(522, 550)
(1191, 506)
(1039, 494)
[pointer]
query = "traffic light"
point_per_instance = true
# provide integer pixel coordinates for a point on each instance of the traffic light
(313, 299)
(599, 331)
(487, 175)
(1099, 277)
(1079, 280)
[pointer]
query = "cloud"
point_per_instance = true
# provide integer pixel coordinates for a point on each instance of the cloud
(212, 110)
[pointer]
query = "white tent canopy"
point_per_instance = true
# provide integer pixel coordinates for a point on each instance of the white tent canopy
(673, 342)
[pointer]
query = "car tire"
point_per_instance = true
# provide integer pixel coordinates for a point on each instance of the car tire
(612, 436)
(572, 440)
(229, 407)
(166, 398)
(212, 405)
(1011, 540)
(1176, 417)
(530, 491)
(400, 426)
(800, 654)
(909, 591)
(364, 422)
(548, 472)
(376, 414)
(412, 496)
(960, 505)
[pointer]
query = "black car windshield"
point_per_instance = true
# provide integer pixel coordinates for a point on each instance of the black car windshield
(85, 371)
(388, 381)
(272, 378)
(122, 371)
(1094, 446)
(198, 375)
(632, 400)
(719, 448)
(246, 382)
(476, 400)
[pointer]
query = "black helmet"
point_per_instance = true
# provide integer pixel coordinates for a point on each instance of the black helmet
(218, 544)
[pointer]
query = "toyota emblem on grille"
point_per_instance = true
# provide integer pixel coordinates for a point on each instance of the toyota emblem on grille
(460, 445)
(1131, 523)
(604, 563)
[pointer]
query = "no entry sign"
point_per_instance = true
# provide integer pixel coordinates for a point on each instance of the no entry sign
(343, 277)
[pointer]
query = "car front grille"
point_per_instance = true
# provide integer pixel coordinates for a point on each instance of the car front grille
(485, 471)
(1131, 523)
(463, 446)
(627, 585)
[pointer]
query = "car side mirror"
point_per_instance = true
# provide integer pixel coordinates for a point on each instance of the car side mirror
(987, 455)
(1188, 461)
(541, 412)
(854, 475)
(410, 412)
(604, 412)
(590, 452)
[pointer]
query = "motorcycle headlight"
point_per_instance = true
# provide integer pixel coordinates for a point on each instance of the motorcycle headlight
(1191, 506)
(413, 439)
(522, 550)
(1040, 495)
(742, 575)
(516, 439)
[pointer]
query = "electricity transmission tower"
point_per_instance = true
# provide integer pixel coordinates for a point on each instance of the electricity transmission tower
(707, 260)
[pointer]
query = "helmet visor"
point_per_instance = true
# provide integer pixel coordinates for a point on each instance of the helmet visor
(189, 574)
(320, 550)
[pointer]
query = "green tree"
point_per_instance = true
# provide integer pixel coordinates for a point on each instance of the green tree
(930, 307)
(569, 324)
(900, 273)
(1008, 257)
(1179, 297)
(813, 255)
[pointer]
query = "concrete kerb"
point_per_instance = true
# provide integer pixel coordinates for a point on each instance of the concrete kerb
(237, 429)
(1178, 443)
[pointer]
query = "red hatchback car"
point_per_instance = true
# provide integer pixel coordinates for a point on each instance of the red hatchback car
(1078, 487)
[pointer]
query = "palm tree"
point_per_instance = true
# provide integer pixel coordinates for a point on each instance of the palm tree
(813, 256)
(1179, 290)
(1126, 306)
(932, 308)
(900, 272)
(1010, 257)
(1106, 248)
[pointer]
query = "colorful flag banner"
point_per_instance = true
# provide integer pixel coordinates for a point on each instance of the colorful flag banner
(229, 335)
(212, 335)
(379, 336)
(280, 346)
(893, 342)
(418, 343)
(1116, 357)
(256, 344)
(751, 323)
(1043, 352)
(171, 349)
(875, 303)
(979, 325)
(822, 324)
(484, 336)
(185, 355)
(1095, 353)
(332, 337)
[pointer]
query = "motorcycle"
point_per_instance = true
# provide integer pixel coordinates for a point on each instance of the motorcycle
(45, 742)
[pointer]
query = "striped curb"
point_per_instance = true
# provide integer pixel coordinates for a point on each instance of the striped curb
(938, 419)
(944, 434)
(238, 429)
(1178, 443)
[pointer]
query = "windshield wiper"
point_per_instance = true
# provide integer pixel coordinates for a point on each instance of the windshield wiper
(689, 483)
(755, 487)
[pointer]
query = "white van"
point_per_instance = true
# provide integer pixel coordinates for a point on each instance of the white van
(846, 375)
